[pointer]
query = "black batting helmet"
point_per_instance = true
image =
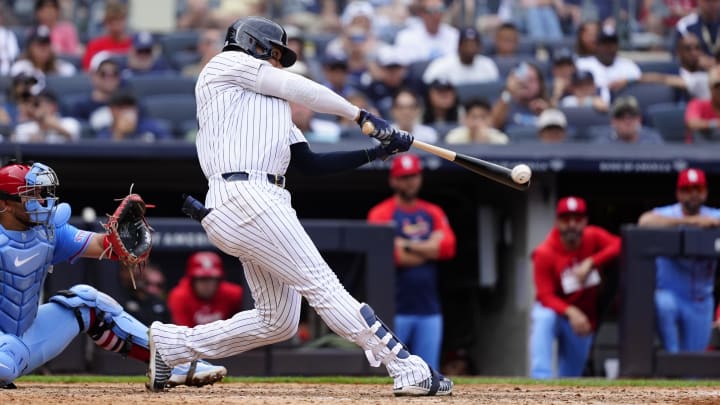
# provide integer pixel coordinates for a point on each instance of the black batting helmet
(249, 33)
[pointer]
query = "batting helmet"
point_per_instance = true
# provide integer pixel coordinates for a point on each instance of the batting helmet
(250, 33)
(204, 264)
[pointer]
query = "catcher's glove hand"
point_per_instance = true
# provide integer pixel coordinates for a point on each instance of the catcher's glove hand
(129, 236)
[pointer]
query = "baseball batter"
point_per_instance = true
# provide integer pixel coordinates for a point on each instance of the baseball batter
(245, 144)
(35, 235)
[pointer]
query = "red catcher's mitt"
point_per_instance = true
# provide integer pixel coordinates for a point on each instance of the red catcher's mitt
(129, 234)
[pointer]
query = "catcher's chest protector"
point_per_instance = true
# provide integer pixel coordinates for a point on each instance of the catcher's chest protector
(25, 258)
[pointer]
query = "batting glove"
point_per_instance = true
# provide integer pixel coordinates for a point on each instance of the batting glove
(400, 141)
(383, 130)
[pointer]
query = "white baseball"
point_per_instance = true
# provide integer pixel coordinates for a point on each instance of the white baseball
(89, 215)
(521, 174)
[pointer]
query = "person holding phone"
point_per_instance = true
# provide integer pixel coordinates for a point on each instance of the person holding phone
(523, 99)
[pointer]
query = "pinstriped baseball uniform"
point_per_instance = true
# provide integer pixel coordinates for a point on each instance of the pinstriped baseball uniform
(242, 130)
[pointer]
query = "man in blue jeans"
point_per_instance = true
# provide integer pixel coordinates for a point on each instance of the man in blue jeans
(684, 285)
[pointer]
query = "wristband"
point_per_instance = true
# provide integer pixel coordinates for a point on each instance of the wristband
(107, 250)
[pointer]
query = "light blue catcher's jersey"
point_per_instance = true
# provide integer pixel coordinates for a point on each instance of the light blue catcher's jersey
(25, 258)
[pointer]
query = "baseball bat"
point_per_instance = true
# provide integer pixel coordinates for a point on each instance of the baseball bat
(492, 171)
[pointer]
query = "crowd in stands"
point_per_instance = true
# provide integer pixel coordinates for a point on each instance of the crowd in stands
(449, 71)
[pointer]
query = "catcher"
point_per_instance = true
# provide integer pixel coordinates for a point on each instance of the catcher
(35, 235)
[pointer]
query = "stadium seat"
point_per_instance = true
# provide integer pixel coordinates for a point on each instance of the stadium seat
(172, 43)
(75, 60)
(416, 70)
(156, 85)
(487, 90)
(506, 64)
(648, 94)
(64, 86)
(520, 133)
(581, 118)
(659, 66)
(175, 109)
(526, 47)
(5, 84)
(669, 120)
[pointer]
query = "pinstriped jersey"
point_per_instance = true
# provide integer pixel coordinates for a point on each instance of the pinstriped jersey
(241, 129)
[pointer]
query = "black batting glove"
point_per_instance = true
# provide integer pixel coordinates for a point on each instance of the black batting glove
(382, 131)
(399, 141)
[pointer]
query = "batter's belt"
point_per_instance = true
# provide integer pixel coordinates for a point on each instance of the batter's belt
(276, 179)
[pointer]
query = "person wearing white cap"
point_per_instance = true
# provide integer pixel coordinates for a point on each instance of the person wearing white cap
(466, 66)
(429, 40)
(552, 126)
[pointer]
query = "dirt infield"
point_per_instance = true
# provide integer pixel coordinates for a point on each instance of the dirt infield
(285, 394)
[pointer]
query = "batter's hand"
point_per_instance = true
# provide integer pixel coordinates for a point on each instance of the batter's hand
(400, 141)
(382, 131)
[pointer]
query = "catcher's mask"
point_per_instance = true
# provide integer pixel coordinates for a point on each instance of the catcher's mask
(38, 193)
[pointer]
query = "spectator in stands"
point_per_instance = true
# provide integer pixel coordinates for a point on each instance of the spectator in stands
(209, 44)
(583, 93)
(203, 295)
(661, 17)
(568, 268)
(309, 15)
(523, 98)
(392, 71)
(429, 40)
(610, 71)
(315, 129)
(507, 40)
(542, 20)
(296, 42)
(358, 99)
(144, 57)
(335, 71)
(467, 66)
(563, 69)
(626, 125)
(39, 58)
(116, 39)
(552, 126)
(684, 285)
(195, 15)
(146, 302)
(105, 78)
(441, 103)
(587, 35)
(23, 87)
(63, 35)
(476, 126)
(701, 116)
(405, 114)
(9, 48)
(691, 77)
(45, 125)
(357, 40)
(127, 122)
(423, 237)
(705, 24)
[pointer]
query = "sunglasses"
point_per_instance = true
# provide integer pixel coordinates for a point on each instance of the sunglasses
(108, 73)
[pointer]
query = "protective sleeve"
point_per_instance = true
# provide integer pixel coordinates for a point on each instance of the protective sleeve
(447, 249)
(317, 164)
(545, 283)
(607, 245)
(293, 87)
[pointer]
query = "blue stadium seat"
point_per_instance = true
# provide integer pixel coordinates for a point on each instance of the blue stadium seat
(648, 94)
(416, 70)
(669, 120)
(64, 86)
(581, 118)
(520, 133)
(659, 66)
(526, 46)
(178, 41)
(176, 109)
(487, 90)
(75, 60)
(5, 84)
(506, 63)
(154, 85)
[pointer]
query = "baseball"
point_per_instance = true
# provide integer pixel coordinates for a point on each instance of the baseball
(88, 214)
(521, 174)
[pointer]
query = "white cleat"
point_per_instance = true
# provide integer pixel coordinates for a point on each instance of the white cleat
(196, 374)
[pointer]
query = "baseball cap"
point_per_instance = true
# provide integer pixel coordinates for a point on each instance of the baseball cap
(551, 117)
(571, 205)
(691, 177)
(388, 56)
(204, 264)
(563, 55)
(607, 34)
(469, 33)
(405, 165)
(332, 59)
(143, 40)
(625, 105)
(357, 9)
(441, 83)
(582, 76)
(40, 33)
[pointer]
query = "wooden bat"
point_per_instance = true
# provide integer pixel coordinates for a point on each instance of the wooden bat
(500, 174)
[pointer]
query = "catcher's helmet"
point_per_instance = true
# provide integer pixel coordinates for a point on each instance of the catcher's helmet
(34, 186)
(12, 178)
(249, 33)
(204, 265)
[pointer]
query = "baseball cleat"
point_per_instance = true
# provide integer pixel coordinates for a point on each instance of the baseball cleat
(196, 374)
(436, 384)
(158, 372)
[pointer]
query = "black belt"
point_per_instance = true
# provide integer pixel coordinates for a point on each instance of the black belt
(276, 179)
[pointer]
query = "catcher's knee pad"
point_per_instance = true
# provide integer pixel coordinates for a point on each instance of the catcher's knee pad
(103, 318)
(14, 358)
(380, 343)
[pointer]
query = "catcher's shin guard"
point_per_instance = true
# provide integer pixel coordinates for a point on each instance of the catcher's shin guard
(379, 342)
(105, 321)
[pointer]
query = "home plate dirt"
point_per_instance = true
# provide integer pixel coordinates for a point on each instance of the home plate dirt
(285, 394)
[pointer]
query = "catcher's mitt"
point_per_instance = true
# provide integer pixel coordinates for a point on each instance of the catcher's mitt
(129, 236)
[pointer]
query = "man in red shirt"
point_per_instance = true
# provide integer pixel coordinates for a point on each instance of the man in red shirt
(202, 296)
(567, 271)
(702, 115)
(116, 40)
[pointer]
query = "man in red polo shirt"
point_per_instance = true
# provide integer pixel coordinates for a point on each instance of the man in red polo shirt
(116, 39)
(202, 296)
(567, 268)
(702, 115)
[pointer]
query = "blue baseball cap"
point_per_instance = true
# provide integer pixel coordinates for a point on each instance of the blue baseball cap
(143, 40)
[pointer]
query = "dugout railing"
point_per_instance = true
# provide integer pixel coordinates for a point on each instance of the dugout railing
(640, 354)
